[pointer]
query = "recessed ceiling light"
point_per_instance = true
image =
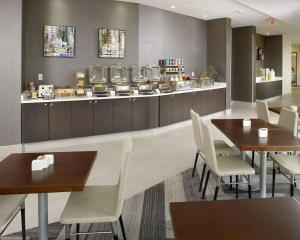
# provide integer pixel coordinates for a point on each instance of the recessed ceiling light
(205, 16)
(268, 33)
(239, 11)
(173, 7)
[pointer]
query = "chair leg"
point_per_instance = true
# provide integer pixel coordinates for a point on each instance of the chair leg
(230, 180)
(195, 163)
(216, 193)
(206, 182)
(77, 230)
(249, 187)
(236, 187)
(273, 181)
(292, 185)
(122, 227)
(202, 176)
(23, 221)
(295, 184)
(67, 231)
(114, 231)
(253, 156)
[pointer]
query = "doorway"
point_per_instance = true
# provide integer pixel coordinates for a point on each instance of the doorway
(294, 69)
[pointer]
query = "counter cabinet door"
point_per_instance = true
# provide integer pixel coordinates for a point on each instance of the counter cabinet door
(60, 120)
(145, 113)
(176, 108)
(165, 110)
(82, 118)
(187, 105)
(123, 115)
(34, 122)
(103, 116)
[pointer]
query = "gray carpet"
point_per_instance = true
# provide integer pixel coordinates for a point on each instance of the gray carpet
(146, 216)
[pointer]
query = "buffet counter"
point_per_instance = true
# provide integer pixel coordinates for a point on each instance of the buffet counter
(24, 99)
(263, 80)
(266, 89)
(73, 117)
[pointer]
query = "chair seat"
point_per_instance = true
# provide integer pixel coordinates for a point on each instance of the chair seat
(95, 204)
(291, 163)
(233, 165)
(9, 205)
(222, 148)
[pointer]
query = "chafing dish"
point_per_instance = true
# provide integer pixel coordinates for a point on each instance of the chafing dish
(145, 89)
(122, 90)
(118, 74)
(153, 73)
(98, 76)
(138, 74)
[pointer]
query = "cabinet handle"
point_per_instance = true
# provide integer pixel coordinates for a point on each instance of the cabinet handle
(51, 104)
(46, 104)
(91, 102)
(130, 99)
(95, 102)
(134, 99)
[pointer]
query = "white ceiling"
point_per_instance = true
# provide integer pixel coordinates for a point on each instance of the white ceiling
(254, 12)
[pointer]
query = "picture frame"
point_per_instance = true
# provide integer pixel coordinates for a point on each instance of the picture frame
(111, 43)
(59, 41)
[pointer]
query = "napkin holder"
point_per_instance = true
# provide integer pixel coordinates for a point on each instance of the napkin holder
(294, 108)
(42, 162)
(246, 123)
(263, 132)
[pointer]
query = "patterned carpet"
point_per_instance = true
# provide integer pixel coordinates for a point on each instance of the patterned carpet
(146, 215)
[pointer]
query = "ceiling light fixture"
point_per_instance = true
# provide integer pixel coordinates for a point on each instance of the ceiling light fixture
(173, 7)
(268, 33)
(205, 16)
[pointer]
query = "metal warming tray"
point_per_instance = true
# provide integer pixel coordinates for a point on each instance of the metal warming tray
(153, 73)
(118, 74)
(98, 74)
(139, 74)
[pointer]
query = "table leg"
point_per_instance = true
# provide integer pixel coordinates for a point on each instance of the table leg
(43, 216)
(263, 174)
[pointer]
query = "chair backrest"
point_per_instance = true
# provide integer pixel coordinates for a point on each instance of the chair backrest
(126, 155)
(209, 148)
(262, 111)
(288, 120)
(197, 130)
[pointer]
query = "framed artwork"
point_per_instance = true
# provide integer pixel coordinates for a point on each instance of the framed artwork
(59, 41)
(111, 43)
(260, 54)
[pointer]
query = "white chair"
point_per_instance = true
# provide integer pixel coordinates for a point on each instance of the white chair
(98, 204)
(289, 165)
(10, 206)
(223, 166)
(263, 113)
(220, 146)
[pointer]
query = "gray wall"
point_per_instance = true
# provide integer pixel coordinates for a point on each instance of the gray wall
(86, 16)
(274, 56)
(10, 71)
(165, 34)
(219, 50)
(243, 64)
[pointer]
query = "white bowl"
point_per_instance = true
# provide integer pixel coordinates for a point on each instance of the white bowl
(263, 132)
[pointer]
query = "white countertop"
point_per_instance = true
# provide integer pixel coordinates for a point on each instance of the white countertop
(263, 80)
(24, 99)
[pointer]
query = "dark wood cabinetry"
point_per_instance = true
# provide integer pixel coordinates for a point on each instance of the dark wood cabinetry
(267, 90)
(123, 115)
(34, 122)
(145, 113)
(60, 119)
(103, 117)
(82, 118)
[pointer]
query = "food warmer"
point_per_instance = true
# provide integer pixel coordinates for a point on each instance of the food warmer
(98, 77)
(139, 78)
(119, 79)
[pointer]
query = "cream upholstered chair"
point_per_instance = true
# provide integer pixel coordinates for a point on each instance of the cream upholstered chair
(289, 165)
(223, 166)
(263, 111)
(220, 146)
(264, 114)
(98, 204)
(10, 206)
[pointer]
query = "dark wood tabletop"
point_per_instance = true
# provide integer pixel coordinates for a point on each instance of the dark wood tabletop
(278, 109)
(246, 139)
(69, 173)
(259, 219)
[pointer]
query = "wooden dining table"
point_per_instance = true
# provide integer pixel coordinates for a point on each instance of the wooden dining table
(259, 219)
(69, 173)
(246, 139)
(278, 109)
